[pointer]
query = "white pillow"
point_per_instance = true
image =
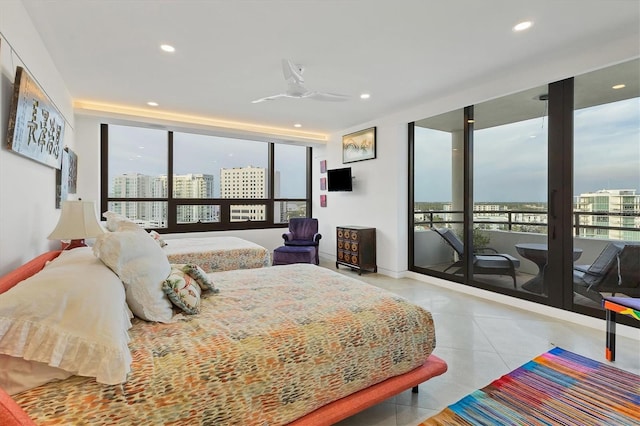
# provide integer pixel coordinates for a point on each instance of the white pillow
(118, 222)
(18, 374)
(142, 266)
(71, 315)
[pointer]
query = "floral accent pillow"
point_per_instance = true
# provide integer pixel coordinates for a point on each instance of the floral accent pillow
(183, 291)
(156, 236)
(201, 277)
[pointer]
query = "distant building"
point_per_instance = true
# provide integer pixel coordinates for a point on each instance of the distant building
(245, 182)
(624, 202)
(133, 185)
(153, 214)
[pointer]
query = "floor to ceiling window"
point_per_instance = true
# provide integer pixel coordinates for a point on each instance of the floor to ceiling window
(510, 150)
(606, 183)
(438, 192)
(548, 178)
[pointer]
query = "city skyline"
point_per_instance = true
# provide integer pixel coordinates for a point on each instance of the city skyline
(144, 151)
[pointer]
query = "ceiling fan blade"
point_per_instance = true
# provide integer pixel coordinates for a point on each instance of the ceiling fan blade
(331, 97)
(270, 98)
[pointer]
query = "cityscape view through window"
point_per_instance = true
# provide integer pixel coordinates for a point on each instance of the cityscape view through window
(546, 200)
(207, 171)
(510, 188)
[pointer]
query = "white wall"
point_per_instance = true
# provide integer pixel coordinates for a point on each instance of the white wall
(27, 188)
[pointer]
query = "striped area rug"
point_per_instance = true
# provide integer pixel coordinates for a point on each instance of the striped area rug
(555, 388)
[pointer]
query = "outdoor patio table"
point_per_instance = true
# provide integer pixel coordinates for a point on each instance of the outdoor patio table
(537, 253)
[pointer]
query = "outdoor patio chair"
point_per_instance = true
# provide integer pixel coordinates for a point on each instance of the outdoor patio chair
(615, 270)
(484, 263)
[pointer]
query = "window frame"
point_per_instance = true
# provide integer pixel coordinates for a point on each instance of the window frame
(225, 223)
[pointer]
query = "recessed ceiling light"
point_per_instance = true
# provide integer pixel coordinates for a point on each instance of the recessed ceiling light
(297, 125)
(618, 86)
(365, 96)
(167, 48)
(151, 103)
(524, 25)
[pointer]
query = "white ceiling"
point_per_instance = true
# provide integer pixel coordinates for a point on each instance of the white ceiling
(229, 52)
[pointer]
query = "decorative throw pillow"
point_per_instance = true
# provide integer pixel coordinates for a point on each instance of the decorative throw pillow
(201, 277)
(183, 291)
(142, 266)
(156, 236)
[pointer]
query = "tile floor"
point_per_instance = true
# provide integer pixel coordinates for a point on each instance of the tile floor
(480, 340)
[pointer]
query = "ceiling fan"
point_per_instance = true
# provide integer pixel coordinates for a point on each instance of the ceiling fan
(295, 89)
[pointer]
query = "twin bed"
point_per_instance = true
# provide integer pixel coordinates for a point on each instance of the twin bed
(294, 344)
(215, 254)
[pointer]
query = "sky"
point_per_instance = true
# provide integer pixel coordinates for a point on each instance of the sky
(511, 161)
(133, 149)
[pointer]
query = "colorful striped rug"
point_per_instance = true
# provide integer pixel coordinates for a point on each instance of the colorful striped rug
(555, 388)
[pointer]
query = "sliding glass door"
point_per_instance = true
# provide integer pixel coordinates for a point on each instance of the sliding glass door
(510, 195)
(606, 182)
(535, 194)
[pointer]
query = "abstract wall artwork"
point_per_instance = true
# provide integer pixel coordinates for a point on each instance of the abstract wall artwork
(359, 146)
(36, 127)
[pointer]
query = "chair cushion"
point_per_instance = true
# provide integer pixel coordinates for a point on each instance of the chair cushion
(496, 262)
(602, 263)
(285, 255)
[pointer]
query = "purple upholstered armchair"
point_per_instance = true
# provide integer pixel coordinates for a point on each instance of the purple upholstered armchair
(303, 231)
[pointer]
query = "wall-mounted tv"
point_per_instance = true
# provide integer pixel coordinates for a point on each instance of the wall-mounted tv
(339, 179)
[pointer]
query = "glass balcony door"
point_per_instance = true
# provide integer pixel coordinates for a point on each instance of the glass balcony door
(510, 193)
(606, 181)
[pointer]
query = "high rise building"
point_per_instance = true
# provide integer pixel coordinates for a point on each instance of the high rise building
(153, 214)
(244, 182)
(618, 208)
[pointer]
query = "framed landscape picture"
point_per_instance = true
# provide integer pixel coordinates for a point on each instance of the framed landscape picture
(359, 146)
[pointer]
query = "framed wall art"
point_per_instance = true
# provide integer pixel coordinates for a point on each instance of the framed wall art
(359, 146)
(36, 127)
(66, 176)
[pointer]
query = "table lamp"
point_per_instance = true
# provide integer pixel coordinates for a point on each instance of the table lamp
(77, 222)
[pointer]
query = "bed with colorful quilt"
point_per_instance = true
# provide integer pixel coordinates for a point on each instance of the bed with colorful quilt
(214, 254)
(294, 344)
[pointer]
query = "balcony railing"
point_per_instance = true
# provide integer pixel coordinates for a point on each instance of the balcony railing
(508, 220)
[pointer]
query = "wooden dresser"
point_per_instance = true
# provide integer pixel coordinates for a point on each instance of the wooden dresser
(356, 247)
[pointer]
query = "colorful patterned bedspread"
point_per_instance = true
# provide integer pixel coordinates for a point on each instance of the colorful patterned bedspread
(275, 344)
(214, 254)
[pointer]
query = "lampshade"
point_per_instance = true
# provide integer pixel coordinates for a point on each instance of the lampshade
(77, 221)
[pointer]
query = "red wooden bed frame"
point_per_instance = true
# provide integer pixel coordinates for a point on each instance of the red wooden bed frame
(11, 414)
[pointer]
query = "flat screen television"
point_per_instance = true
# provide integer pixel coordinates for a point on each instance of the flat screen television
(339, 179)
